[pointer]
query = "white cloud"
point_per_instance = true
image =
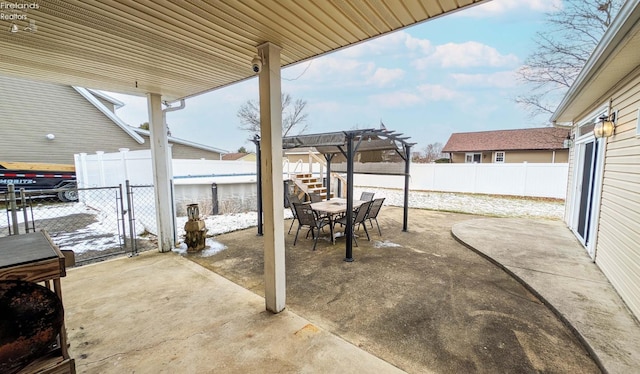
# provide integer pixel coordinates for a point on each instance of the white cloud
(500, 7)
(383, 77)
(437, 92)
(331, 69)
(421, 95)
(422, 45)
(397, 99)
(502, 79)
(468, 54)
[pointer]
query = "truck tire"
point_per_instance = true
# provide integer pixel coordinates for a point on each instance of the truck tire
(68, 196)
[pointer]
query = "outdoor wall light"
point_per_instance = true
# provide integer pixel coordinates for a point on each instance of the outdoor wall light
(605, 127)
(568, 141)
(50, 136)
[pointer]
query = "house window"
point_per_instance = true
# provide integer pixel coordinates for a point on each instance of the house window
(473, 157)
(499, 157)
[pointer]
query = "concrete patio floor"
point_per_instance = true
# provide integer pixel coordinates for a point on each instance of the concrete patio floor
(415, 302)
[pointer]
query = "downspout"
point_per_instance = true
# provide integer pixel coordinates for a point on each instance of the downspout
(171, 109)
(170, 163)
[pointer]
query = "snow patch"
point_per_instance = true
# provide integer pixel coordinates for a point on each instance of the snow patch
(211, 248)
(385, 244)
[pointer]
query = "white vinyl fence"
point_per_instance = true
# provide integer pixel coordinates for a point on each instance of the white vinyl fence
(192, 179)
(525, 179)
(236, 180)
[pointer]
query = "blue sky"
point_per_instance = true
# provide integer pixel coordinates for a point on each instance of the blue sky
(451, 74)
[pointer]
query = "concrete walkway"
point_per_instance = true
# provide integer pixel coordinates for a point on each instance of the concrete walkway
(546, 257)
(161, 313)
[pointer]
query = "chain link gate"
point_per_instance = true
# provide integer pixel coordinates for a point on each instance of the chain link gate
(141, 217)
(102, 223)
(93, 227)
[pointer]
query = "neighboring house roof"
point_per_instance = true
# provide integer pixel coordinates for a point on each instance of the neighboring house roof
(181, 141)
(134, 132)
(613, 59)
(116, 103)
(235, 156)
(93, 100)
(539, 138)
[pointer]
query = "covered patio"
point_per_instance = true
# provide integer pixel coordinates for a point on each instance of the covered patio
(169, 52)
(407, 306)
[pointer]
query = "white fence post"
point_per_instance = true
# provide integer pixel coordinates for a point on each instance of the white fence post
(524, 178)
(101, 167)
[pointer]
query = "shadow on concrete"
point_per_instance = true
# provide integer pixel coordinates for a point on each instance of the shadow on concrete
(419, 299)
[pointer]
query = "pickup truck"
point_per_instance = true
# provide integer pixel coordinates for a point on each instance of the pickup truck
(40, 177)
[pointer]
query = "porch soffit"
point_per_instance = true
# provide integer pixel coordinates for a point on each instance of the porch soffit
(182, 49)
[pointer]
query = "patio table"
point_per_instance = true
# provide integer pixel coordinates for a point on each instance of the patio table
(333, 208)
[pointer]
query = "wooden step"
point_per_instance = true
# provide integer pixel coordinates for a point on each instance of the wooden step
(317, 190)
(309, 180)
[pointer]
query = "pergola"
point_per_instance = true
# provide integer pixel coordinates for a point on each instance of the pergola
(172, 50)
(373, 145)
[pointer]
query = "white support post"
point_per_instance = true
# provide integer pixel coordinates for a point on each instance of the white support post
(161, 173)
(272, 180)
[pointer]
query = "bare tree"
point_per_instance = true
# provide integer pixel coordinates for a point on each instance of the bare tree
(430, 153)
(433, 151)
(571, 34)
(293, 116)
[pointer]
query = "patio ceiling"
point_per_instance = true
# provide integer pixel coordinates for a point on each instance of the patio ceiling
(183, 48)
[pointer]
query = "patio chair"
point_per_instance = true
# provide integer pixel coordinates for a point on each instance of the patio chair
(315, 197)
(366, 196)
(307, 217)
(358, 219)
(293, 198)
(372, 215)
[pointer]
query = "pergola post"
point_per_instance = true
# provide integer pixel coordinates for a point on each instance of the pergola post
(407, 163)
(348, 230)
(161, 162)
(272, 183)
(328, 157)
(256, 141)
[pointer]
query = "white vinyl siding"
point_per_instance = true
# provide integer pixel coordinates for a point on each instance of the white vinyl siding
(34, 109)
(618, 248)
(30, 110)
(569, 200)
